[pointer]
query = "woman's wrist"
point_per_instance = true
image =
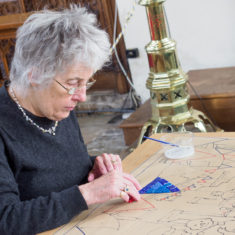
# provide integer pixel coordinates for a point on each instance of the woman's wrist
(85, 193)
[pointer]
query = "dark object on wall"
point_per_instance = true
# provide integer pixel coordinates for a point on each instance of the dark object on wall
(132, 53)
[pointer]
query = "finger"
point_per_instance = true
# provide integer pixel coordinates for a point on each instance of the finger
(91, 176)
(117, 162)
(108, 162)
(114, 161)
(133, 180)
(132, 192)
(100, 165)
(124, 196)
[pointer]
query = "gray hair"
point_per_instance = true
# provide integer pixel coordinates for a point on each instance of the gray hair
(49, 41)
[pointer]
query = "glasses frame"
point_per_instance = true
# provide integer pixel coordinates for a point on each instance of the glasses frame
(71, 91)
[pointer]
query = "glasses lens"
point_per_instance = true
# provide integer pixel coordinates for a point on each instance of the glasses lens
(71, 91)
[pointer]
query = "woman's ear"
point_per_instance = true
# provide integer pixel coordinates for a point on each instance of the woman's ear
(32, 77)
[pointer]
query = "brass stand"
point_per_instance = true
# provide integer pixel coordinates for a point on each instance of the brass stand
(167, 81)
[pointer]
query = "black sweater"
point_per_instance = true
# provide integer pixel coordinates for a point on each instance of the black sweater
(39, 172)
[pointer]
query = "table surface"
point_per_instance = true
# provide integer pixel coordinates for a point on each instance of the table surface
(140, 157)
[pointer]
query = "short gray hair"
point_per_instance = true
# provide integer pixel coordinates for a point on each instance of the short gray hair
(49, 41)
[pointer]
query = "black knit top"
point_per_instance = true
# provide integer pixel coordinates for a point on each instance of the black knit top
(39, 172)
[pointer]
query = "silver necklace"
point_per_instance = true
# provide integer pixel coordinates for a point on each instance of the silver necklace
(50, 130)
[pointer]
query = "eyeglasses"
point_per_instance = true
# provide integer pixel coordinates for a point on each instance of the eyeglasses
(71, 91)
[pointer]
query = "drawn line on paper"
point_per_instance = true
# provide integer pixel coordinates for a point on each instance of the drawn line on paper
(149, 206)
(80, 230)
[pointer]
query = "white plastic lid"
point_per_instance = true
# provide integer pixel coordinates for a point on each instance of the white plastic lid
(179, 152)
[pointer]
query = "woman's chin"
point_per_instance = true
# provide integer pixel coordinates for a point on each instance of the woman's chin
(61, 116)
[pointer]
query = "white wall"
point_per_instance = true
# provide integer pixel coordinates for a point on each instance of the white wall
(203, 29)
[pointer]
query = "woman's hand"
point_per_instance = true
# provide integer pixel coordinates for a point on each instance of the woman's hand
(104, 164)
(111, 185)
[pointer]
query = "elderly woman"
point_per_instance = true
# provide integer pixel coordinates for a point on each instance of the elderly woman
(46, 174)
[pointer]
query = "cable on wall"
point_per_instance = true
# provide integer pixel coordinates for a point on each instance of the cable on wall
(129, 15)
(132, 93)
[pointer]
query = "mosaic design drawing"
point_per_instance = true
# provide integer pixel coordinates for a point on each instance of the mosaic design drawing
(204, 205)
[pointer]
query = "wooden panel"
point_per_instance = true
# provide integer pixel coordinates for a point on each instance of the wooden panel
(216, 83)
(220, 110)
(12, 21)
(11, 7)
(132, 126)
(105, 14)
(35, 5)
(8, 27)
(108, 21)
(216, 87)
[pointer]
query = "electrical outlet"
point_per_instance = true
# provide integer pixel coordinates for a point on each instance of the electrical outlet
(132, 53)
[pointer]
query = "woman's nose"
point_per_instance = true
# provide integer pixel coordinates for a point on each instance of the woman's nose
(80, 95)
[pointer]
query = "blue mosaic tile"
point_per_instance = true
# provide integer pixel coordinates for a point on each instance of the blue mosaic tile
(159, 185)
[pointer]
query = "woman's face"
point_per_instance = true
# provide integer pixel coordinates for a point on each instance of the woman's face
(54, 102)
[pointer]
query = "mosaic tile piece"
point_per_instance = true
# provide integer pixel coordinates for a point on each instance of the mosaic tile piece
(159, 185)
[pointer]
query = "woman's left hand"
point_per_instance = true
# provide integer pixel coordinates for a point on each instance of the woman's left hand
(103, 164)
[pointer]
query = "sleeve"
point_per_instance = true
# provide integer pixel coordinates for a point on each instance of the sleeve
(35, 215)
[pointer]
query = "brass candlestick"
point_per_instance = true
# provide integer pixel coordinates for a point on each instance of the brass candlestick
(167, 81)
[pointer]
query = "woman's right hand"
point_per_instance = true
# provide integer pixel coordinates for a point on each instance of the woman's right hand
(104, 164)
(111, 185)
